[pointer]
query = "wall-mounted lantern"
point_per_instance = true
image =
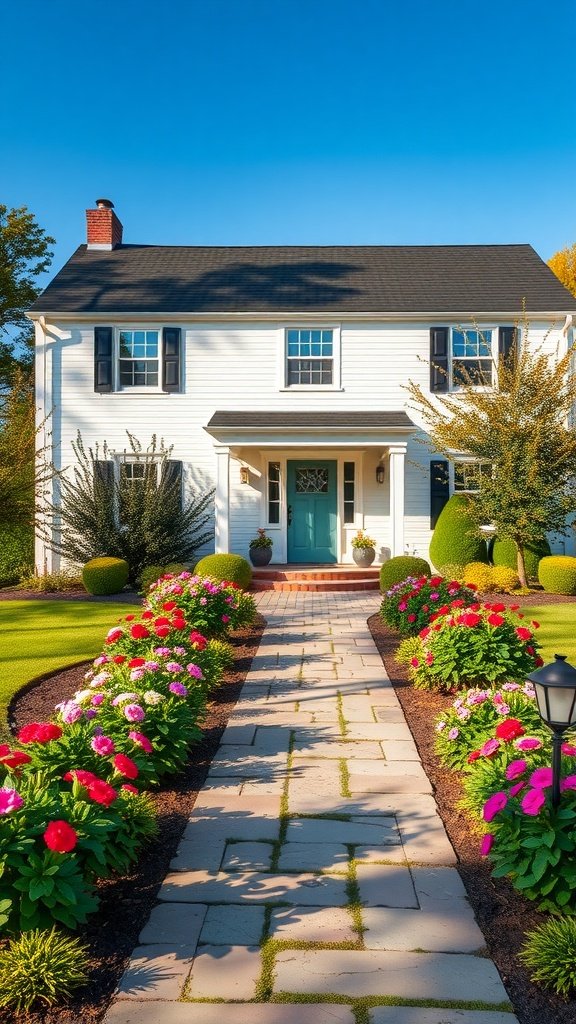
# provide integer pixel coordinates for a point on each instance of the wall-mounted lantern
(380, 473)
(244, 475)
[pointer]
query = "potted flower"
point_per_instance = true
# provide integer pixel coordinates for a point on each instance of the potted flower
(363, 549)
(261, 548)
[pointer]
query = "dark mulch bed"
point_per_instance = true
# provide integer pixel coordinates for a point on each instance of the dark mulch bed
(502, 914)
(125, 905)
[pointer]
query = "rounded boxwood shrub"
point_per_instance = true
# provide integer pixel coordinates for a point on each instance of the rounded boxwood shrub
(105, 575)
(504, 553)
(149, 575)
(226, 567)
(399, 568)
(557, 574)
(455, 539)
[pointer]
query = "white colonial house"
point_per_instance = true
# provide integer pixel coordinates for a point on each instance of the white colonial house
(277, 373)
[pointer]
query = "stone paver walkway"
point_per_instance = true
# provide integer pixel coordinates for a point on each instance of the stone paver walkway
(315, 883)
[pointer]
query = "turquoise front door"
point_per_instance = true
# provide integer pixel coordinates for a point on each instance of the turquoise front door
(311, 500)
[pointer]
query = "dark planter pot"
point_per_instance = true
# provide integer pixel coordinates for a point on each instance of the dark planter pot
(363, 556)
(260, 556)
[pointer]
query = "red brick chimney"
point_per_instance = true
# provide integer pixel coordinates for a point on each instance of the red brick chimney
(104, 230)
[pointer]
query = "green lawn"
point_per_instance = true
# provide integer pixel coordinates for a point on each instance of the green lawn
(39, 636)
(557, 632)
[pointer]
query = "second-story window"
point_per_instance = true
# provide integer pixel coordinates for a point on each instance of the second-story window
(309, 357)
(138, 359)
(472, 357)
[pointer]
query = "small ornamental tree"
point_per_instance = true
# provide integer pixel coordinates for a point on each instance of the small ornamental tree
(563, 264)
(142, 519)
(523, 431)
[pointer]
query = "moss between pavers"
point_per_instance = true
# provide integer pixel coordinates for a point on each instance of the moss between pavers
(369, 1002)
(345, 790)
(341, 719)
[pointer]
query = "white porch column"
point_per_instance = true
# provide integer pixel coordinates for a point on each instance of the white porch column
(397, 456)
(222, 499)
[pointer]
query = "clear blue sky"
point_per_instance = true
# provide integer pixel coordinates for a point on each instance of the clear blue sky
(293, 121)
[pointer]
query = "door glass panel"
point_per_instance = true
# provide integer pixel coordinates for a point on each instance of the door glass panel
(312, 480)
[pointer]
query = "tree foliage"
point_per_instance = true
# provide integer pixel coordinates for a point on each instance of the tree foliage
(563, 264)
(523, 430)
(24, 255)
(143, 521)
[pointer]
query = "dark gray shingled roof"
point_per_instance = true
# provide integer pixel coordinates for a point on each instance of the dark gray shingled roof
(284, 279)
(286, 418)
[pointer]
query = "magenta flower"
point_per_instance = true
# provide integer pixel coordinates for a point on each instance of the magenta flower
(178, 689)
(162, 652)
(516, 768)
(102, 745)
(151, 666)
(226, 618)
(489, 748)
(568, 783)
(10, 800)
(141, 740)
(541, 778)
(517, 788)
(569, 749)
(173, 666)
(134, 713)
(402, 606)
(528, 743)
(195, 671)
(486, 844)
(497, 802)
(533, 801)
(503, 709)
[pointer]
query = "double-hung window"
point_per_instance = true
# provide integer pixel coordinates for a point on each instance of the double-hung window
(468, 475)
(138, 358)
(471, 357)
(309, 357)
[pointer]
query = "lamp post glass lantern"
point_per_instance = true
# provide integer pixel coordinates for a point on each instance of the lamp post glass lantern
(555, 686)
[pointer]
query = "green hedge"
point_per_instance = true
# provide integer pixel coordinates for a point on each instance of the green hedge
(397, 569)
(226, 567)
(455, 541)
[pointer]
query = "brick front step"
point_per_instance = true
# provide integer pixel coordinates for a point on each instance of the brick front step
(316, 579)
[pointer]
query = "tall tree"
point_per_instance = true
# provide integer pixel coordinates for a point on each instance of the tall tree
(523, 430)
(24, 255)
(563, 263)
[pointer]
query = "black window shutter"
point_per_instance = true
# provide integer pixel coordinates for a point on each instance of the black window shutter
(103, 473)
(171, 359)
(103, 369)
(439, 488)
(507, 341)
(172, 474)
(439, 358)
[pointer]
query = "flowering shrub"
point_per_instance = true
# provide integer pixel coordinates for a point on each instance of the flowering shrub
(482, 643)
(501, 760)
(408, 605)
(530, 841)
(473, 717)
(214, 606)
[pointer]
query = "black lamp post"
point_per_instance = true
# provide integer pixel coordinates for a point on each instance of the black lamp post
(555, 686)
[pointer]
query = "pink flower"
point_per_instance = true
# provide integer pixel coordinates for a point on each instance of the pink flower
(97, 699)
(528, 743)
(568, 783)
(128, 788)
(516, 768)
(533, 801)
(497, 802)
(453, 734)
(195, 671)
(402, 606)
(226, 618)
(141, 740)
(541, 778)
(178, 689)
(569, 749)
(489, 748)
(102, 745)
(414, 662)
(134, 713)
(71, 712)
(10, 800)
(114, 635)
(434, 596)
(517, 788)
(486, 844)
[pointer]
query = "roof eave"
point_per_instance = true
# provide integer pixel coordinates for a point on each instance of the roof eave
(300, 315)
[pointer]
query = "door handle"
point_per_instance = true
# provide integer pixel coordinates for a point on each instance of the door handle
(289, 515)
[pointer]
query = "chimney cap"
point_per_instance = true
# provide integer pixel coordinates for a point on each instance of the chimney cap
(104, 204)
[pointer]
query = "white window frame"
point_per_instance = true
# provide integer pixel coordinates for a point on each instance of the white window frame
(120, 459)
(452, 474)
(283, 356)
(481, 331)
(136, 389)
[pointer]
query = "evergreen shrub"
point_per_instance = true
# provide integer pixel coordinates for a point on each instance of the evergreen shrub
(149, 575)
(504, 553)
(455, 539)
(105, 575)
(557, 574)
(226, 567)
(399, 568)
(550, 954)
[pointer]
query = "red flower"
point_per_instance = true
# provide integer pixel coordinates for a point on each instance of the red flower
(128, 788)
(114, 635)
(411, 618)
(535, 624)
(102, 793)
(424, 632)
(136, 662)
(147, 615)
(472, 586)
(14, 758)
(119, 659)
(436, 580)
(538, 661)
(126, 766)
(523, 633)
(509, 729)
(496, 620)
(168, 606)
(60, 837)
(457, 604)
(473, 756)
(198, 640)
(514, 607)
(139, 632)
(498, 607)
(443, 610)
(161, 621)
(469, 619)
(39, 732)
(129, 618)
(162, 632)
(179, 623)
(83, 777)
